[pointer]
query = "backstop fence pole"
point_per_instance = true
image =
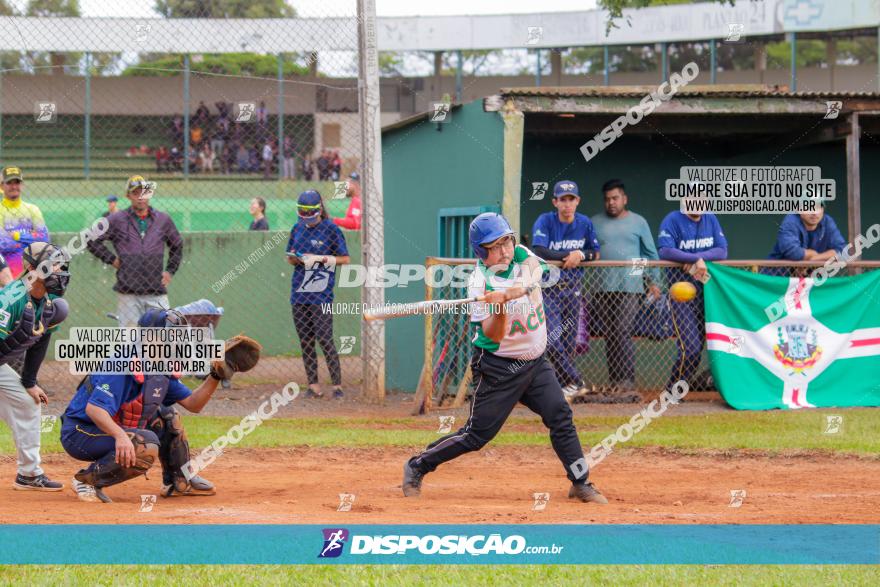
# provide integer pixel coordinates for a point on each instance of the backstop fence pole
(373, 236)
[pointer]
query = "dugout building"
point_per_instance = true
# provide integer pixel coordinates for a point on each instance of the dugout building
(488, 154)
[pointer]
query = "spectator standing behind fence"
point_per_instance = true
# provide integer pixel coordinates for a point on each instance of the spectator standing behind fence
(139, 235)
(308, 168)
(112, 205)
(206, 158)
(267, 156)
(691, 239)
(195, 137)
(623, 236)
(335, 166)
(288, 162)
(808, 237)
(323, 164)
(565, 235)
(23, 223)
(317, 246)
(352, 219)
(258, 212)
(242, 159)
(218, 136)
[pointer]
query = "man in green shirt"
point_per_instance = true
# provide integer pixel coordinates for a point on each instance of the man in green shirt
(31, 308)
(623, 236)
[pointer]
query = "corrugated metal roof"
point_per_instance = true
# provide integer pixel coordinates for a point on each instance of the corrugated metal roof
(715, 91)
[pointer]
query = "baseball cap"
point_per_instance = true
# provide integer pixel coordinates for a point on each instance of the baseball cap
(134, 182)
(12, 173)
(112, 198)
(566, 187)
(308, 207)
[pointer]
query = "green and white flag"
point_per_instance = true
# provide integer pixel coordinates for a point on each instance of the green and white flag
(779, 342)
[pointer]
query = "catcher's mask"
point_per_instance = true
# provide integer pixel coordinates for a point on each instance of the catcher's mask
(157, 318)
(51, 263)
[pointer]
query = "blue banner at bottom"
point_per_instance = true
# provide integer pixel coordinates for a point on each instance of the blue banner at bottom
(440, 544)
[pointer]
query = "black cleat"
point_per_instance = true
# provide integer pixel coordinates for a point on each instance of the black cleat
(412, 480)
(586, 493)
(99, 493)
(196, 486)
(38, 483)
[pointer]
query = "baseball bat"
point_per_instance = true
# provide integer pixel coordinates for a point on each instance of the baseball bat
(418, 308)
(427, 306)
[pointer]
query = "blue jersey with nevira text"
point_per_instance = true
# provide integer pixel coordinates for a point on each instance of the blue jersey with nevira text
(579, 234)
(110, 392)
(677, 231)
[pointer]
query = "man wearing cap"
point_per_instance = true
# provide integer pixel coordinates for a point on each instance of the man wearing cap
(23, 223)
(569, 237)
(31, 309)
(352, 219)
(140, 235)
(112, 205)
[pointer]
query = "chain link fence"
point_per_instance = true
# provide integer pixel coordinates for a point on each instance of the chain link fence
(614, 332)
(193, 135)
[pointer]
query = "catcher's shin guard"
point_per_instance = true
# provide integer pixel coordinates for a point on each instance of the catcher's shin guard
(173, 447)
(107, 471)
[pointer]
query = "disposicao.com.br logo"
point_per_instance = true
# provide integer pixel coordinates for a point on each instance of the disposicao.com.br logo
(335, 538)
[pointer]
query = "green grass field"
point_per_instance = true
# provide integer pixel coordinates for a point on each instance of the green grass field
(391, 575)
(770, 432)
(215, 205)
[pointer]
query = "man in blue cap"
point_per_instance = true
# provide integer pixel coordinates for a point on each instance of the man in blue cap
(112, 203)
(569, 237)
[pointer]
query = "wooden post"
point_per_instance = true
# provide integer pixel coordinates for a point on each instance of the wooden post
(853, 183)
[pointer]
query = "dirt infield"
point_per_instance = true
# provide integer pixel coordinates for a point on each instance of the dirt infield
(299, 486)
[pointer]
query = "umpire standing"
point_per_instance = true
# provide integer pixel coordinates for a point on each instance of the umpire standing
(140, 234)
(315, 247)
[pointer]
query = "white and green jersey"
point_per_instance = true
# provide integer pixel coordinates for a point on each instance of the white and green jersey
(526, 323)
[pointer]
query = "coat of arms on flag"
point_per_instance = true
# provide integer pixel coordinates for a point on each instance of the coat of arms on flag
(823, 351)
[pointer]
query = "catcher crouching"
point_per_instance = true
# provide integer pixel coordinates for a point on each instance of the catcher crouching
(122, 424)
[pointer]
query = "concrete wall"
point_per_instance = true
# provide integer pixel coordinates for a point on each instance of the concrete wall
(256, 302)
(164, 95)
(424, 170)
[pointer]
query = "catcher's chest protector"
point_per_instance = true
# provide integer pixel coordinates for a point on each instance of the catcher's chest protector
(27, 332)
(143, 409)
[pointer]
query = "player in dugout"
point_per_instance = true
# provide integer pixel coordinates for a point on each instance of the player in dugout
(566, 236)
(811, 236)
(690, 239)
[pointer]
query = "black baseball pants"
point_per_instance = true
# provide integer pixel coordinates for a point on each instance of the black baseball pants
(501, 383)
(314, 325)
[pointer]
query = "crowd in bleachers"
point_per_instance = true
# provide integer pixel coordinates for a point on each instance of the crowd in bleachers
(222, 143)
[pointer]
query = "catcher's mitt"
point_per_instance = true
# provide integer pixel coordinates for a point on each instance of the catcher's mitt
(242, 354)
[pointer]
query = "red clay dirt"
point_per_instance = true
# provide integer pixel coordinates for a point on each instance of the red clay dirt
(302, 485)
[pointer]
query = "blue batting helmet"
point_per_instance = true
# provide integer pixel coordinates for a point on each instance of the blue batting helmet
(486, 228)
